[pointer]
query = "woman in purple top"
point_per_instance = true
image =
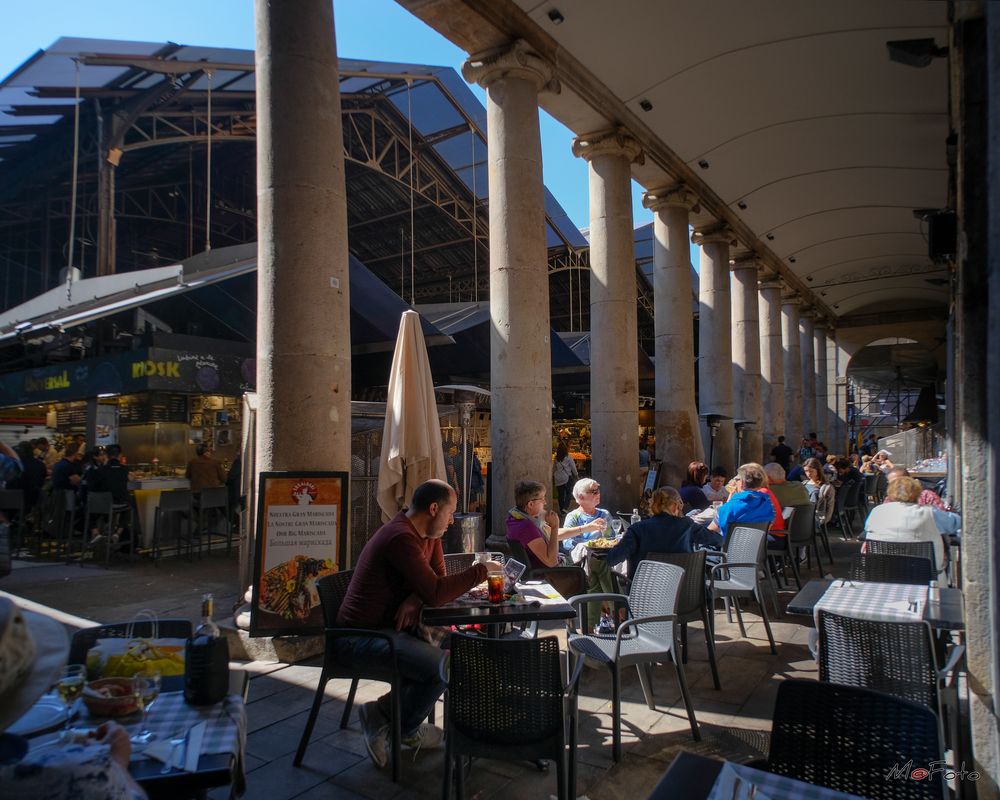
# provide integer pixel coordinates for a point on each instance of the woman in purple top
(534, 527)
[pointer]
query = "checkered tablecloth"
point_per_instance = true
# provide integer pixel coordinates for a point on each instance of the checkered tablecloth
(226, 722)
(881, 602)
(735, 780)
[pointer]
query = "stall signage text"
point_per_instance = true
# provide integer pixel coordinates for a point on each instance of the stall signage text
(60, 381)
(162, 369)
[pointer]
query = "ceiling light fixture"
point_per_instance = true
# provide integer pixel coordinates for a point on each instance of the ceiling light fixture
(792, 259)
(741, 205)
(703, 164)
(645, 105)
(769, 237)
(556, 17)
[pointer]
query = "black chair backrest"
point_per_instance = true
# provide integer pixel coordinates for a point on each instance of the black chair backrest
(892, 657)
(518, 552)
(854, 740)
(507, 693)
(12, 499)
(85, 638)
(214, 498)
(176, 500)
(881, 484)
(916, 549)
(99, 502)
(332, 590)
(802, 526)
(880, 568)
(691, 596)
(841, 497)
(854, 489)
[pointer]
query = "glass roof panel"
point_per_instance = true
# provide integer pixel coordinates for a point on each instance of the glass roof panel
(431, 110)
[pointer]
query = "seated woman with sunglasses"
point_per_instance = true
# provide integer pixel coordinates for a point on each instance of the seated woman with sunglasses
(536, 528)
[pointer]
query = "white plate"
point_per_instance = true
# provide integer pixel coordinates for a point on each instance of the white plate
(44, 715)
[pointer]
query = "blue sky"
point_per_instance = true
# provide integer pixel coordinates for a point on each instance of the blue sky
(366, 29)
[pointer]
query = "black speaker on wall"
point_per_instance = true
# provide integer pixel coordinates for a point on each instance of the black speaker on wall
(942, 236)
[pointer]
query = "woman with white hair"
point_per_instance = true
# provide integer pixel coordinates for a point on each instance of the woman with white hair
(901, 519)
(586, 521)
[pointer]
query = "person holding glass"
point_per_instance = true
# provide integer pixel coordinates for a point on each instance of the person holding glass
(583, 524)
(88, 767)
(536, 528)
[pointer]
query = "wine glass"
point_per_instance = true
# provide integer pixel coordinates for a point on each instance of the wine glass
(145, 690)
(616, 526)
(70, 687)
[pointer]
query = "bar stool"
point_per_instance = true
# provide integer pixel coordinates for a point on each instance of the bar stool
(114, 515)
(214, 500)
(62, 518)
(173, 506)
(13, 500)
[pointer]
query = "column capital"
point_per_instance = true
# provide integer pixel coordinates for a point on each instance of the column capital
(791, 300)
(613, 142)
(516, 60)
(714, 232)
(676, 196)
(745, 260)
(771, 281)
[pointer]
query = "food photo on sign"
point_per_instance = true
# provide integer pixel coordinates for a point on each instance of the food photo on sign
(301, 537)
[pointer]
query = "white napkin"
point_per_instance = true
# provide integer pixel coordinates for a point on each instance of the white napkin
(916, 608)
(194, 746)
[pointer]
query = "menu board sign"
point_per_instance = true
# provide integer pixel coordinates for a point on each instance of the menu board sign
(301, 536)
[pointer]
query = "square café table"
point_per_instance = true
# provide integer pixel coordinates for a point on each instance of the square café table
(945, 614)
(541, 602)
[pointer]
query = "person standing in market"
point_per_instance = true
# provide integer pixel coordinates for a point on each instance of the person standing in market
(204, 471)
(564, 475)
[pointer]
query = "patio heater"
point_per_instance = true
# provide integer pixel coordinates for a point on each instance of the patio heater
(714, 422)
(741, 425)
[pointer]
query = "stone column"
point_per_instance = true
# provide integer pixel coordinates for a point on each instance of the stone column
(678, 436)
(772, 360)
(819, 357)
(303, 303)
(520, 350)
(808, 366)
(747, 399)
(614, 358)
(715, 359)
(793, 370)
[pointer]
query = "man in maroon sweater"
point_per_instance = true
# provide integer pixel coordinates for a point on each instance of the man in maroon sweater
(400, 570)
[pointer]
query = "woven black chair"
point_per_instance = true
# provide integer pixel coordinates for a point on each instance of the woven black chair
(854, 740)
(332, 590)
(854, 505)
(800, 530)
(85, 638)
(506, 700)
(740, 574)
(647, 637)
(692, 602)
(841, 513)
(880, 568)
(915, 549)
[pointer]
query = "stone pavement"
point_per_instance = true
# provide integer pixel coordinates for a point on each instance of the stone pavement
(734, 721)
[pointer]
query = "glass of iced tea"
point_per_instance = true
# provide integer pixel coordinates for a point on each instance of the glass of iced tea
(495, 585)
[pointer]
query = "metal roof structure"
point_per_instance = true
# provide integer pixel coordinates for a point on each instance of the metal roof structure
(415, 162)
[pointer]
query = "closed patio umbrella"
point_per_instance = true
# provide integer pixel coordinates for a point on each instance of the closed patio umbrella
(411, 438)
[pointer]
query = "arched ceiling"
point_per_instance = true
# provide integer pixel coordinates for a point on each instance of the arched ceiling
(787, 117)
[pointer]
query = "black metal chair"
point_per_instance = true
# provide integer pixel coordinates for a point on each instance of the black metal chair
(898, 658)
(332, 590)
(854, 506)
(174, 507)
(868, 493)
(85, 638)
(506, 700)
(648, 636)
(854, 740)
(692, 602)
(740, 574)
(841, 513)
(915, 549)
(880, 568)
(213, 503)
(12, 500)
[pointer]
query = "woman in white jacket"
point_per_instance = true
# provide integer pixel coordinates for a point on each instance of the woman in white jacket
(900, 519)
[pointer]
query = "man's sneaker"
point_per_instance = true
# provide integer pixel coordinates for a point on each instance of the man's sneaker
(427, 737)
(376, 731)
